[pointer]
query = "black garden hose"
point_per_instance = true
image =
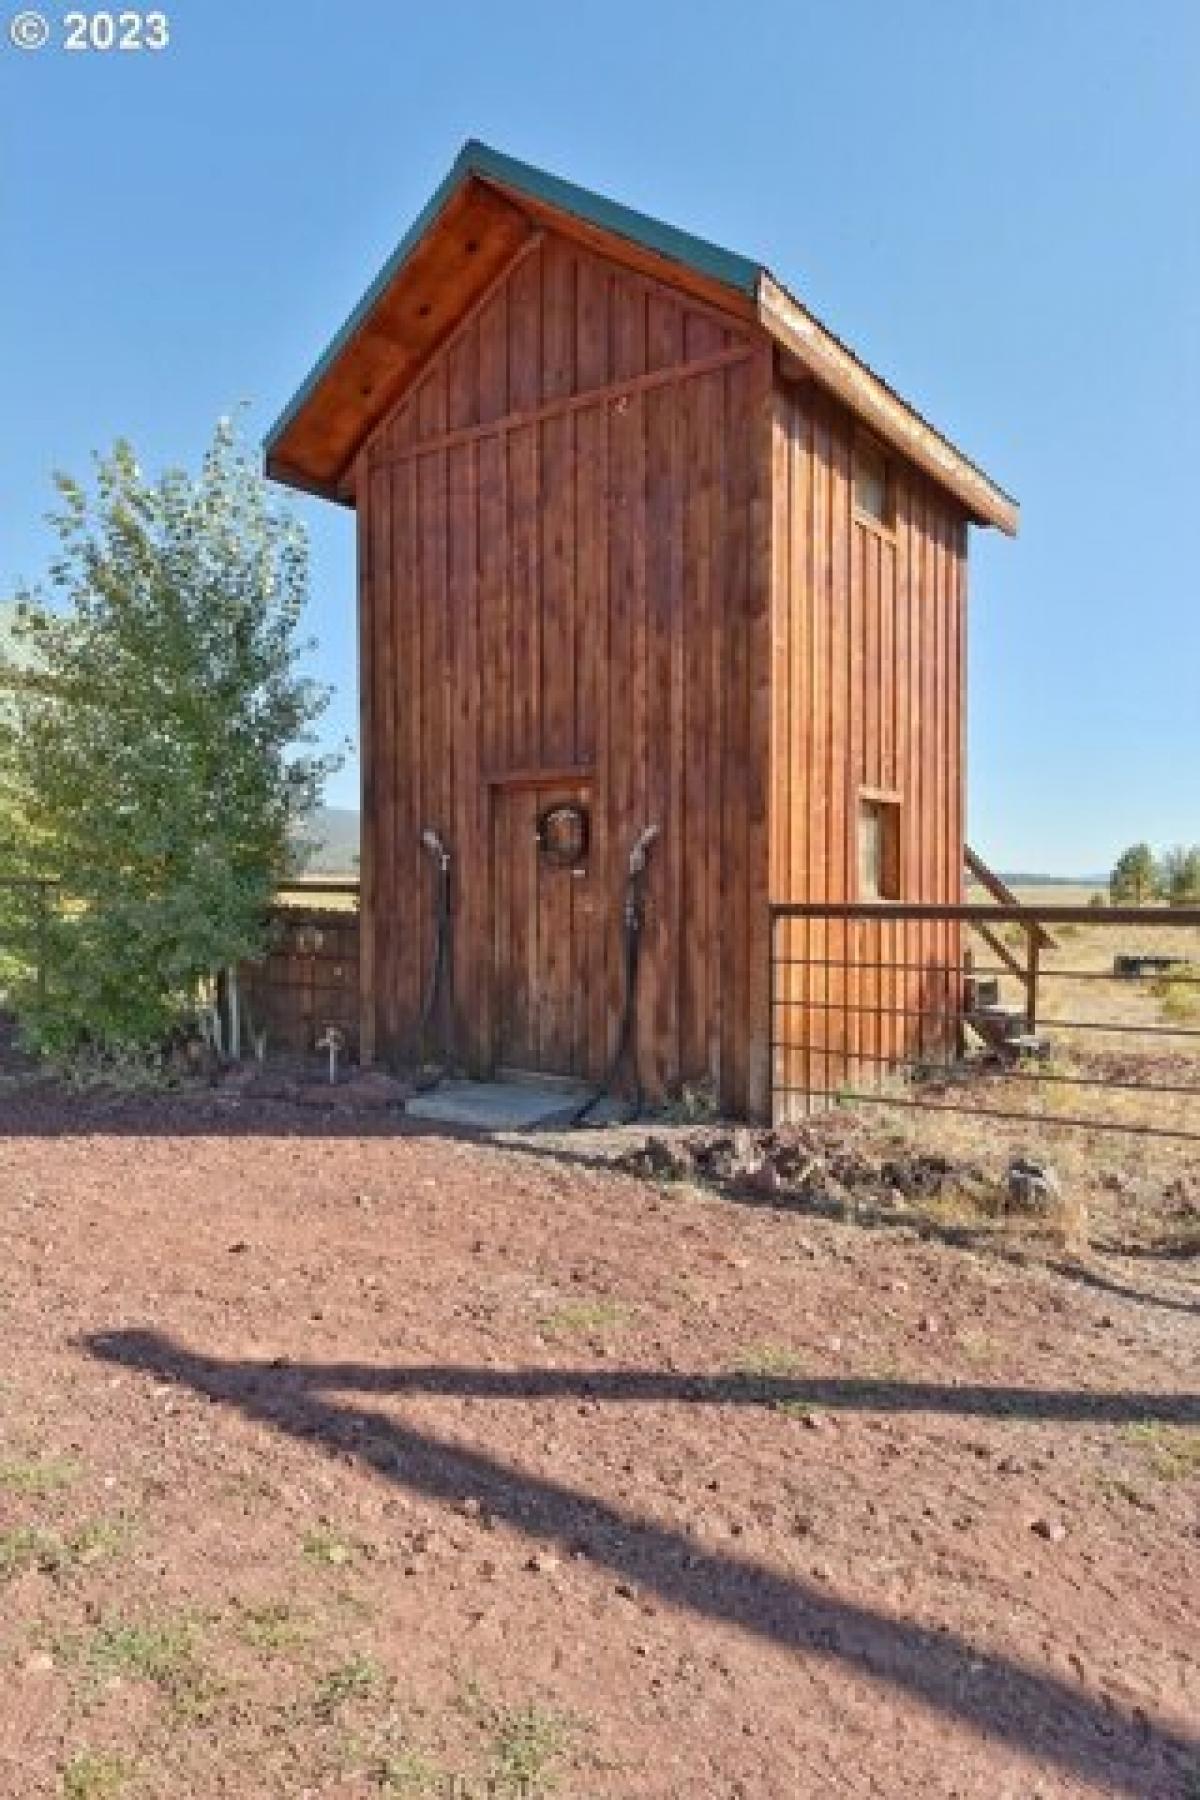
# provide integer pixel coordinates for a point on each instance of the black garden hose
(633, 918)
(431, 842)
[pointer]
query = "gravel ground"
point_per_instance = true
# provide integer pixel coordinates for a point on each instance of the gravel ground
(339, 1460)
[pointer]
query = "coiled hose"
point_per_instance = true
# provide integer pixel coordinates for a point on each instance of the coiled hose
(633, 917)
(431, 842)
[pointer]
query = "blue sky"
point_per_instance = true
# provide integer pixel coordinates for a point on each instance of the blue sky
(997, 203)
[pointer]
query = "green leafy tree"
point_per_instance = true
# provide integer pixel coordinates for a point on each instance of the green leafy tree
(157, 738)
(12, 836)
(14, 902)
(1181, 875)
(1134, 879)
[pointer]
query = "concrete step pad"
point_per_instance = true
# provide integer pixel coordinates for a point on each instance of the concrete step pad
(500, 1105)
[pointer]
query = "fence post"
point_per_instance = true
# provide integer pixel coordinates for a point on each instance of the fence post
(965, 999)
(772, 1084)
(1033, 952)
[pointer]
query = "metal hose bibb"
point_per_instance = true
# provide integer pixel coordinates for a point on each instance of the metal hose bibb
(433, 843)
(633, 918)
(635, 884)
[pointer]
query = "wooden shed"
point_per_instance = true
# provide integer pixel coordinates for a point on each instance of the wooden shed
(642, 545)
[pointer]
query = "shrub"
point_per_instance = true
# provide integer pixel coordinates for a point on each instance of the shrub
(1134, 879)
(1178, 991)
(154, 747)
(1180, 875)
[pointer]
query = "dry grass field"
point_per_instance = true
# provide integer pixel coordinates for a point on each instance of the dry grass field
(1125, 1035)
(345, 900)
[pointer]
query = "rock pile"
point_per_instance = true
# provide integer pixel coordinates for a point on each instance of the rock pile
(1032, 1187)
(806, 1166)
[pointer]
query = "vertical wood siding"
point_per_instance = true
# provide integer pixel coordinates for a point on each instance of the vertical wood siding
(564, 545)
(307, 981)
(867, 692)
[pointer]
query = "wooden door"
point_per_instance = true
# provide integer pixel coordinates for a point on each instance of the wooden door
(544, 922)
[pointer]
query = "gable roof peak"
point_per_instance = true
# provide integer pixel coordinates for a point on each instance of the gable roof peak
(487, 206)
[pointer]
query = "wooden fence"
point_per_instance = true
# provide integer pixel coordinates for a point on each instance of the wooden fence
(309, 978)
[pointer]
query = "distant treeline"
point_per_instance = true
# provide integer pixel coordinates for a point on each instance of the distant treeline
(1140, 876)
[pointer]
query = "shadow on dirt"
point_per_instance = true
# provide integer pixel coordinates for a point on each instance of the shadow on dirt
(1045, 1718)
(1065, 1406)
(1091, 1277)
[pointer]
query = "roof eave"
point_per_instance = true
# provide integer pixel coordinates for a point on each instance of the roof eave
(286, 476)
(708, 261)
(835, 367)
(349, 329)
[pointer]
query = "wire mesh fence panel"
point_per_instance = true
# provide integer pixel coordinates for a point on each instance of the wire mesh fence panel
(1084, 1017)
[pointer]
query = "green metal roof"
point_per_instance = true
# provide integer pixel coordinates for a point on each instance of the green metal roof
(475, 159)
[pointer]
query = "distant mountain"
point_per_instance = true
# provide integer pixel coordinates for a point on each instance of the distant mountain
(336, 830)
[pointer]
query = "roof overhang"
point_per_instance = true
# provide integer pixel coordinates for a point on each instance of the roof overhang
(488, 206)
(827, 360)
(460, 244)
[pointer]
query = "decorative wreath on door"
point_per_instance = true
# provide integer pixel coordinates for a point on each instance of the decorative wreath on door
(562, 835)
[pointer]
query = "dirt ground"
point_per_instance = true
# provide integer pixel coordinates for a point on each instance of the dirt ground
(341, 1461)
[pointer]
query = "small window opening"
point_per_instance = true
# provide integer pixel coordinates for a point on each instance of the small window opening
(878, 849)
(872, 484)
